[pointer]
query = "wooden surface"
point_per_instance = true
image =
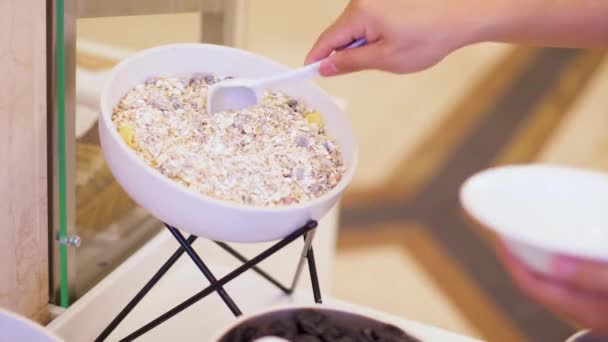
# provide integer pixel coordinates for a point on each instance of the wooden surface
(581, 139)
(23, 158)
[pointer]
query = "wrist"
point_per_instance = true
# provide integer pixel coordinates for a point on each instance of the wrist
(502, 20)
(477, 21)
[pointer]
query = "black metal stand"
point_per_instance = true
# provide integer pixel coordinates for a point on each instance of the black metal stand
(217, 285)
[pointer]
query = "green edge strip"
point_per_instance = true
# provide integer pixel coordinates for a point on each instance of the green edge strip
(61, 152)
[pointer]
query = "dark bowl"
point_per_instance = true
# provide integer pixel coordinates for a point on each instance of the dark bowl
(313, 324)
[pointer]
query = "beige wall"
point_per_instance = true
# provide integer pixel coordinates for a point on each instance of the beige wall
(140, 32)
(23, 166)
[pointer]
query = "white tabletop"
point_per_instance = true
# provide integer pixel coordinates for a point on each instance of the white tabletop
(87, 317)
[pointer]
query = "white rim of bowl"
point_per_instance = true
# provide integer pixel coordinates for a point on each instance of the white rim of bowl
(342, 184)
(35, 326)
(548, 245)
(577, 335)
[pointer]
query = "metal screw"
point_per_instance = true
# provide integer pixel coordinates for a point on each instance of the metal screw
(71, 240)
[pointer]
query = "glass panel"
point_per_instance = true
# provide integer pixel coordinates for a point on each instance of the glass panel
(109, 223)
(61, 151)
(87, 202)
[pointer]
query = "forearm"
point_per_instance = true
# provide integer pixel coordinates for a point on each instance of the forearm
(407, 36)
(560, 23)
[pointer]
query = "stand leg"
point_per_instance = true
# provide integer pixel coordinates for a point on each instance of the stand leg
(307, 245)
(256, 269)
(314, 278)
(142, 293)
(221, 282)
(201, 266)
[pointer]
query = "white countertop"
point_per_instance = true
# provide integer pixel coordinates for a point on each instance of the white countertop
(88, 316)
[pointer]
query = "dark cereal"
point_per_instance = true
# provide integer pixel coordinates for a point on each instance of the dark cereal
(310, 325)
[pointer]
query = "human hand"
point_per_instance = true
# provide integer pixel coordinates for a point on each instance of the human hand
(403, 35)
(577, 289)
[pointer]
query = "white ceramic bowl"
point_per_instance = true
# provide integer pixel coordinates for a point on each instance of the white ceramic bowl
(16, 328)
(188, 210)
(542, 211)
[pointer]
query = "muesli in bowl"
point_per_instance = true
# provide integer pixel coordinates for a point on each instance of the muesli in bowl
(274, 153)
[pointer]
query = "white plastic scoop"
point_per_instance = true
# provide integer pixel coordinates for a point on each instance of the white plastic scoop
(236, 94)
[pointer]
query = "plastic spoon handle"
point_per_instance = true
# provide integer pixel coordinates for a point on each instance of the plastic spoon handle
(306, 72)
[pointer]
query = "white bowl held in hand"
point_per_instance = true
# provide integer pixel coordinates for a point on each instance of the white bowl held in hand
(542, 211)
(186, 209)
